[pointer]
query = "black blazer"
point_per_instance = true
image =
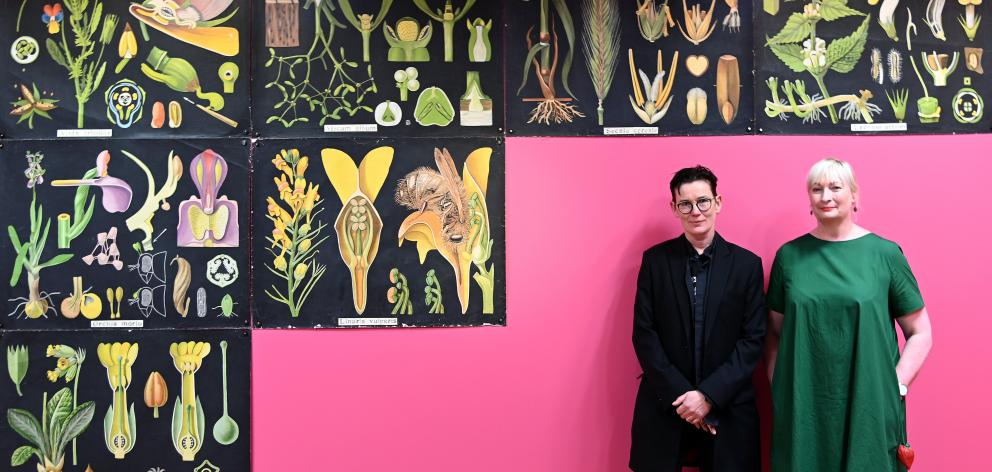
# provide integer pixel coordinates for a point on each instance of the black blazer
(735, 323)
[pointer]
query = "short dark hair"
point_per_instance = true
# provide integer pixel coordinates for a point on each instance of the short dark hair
(692, 174)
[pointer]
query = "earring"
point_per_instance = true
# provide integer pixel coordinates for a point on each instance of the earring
(810, 211)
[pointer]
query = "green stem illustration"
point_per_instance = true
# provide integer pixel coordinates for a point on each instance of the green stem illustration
(19, 13)
(86, 73)
(70, 228)
(432, 294)
(447, 17)
(365, 23)
(399, 293)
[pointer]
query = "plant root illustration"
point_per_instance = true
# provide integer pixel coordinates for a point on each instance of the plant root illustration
(807, 107)
(550, 107)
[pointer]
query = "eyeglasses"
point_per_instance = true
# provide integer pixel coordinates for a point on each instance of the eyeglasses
(703, 204)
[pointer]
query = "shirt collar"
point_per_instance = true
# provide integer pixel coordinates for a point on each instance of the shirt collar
(707, 253)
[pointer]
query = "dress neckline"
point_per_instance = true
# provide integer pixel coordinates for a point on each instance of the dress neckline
(863, 236)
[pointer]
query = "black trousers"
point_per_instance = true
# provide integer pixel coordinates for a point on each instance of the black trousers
(696, 448)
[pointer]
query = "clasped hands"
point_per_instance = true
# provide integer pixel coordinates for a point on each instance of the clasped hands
(693, 407)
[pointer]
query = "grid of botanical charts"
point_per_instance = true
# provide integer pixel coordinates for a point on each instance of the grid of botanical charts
(176, 174)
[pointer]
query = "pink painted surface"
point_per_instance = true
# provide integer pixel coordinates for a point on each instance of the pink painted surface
(553, 391)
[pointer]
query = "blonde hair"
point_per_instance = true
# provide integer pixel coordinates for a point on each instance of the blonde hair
(832, 170)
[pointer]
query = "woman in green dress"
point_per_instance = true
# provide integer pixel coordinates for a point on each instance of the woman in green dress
(838, 379)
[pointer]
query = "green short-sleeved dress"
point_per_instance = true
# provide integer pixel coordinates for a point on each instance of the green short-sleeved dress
(835, 393)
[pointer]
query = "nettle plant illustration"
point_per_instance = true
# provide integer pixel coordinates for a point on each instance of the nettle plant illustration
(319, 80)
(799, 47)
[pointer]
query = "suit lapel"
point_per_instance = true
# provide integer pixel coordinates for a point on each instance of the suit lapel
(720, 267)
(676, 266)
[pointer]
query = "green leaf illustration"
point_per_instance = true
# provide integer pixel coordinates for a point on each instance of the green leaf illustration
(843, 53)
(21, 455)
(831, 10)
(791, 55)
(796, 29)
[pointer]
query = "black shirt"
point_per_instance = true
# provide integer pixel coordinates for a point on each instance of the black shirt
(696, 275)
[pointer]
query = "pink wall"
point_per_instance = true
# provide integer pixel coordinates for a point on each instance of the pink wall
(553, 391)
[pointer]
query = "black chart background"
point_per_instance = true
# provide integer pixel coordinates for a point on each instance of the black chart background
(333, 297)
(449, 76)
(52, 77)
(521, 15)
(70, 160)
(860, 78)
(153, 446)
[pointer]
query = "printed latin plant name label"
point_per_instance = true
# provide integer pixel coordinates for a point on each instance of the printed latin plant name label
(878, 127)
(354, 128)
(622, 130)
(85, 133)
(117, 324)
(367, 322)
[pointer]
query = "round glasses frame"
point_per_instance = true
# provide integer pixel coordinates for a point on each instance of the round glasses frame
(703, 204)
